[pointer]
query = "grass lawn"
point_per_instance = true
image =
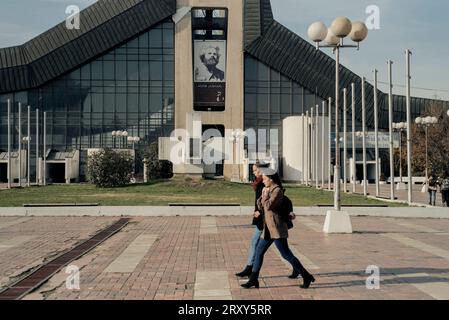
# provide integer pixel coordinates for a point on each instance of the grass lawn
(161, 193)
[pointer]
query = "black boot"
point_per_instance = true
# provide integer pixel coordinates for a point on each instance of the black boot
(308, 279)
(245, 273)
(294, 275)
(253, 281)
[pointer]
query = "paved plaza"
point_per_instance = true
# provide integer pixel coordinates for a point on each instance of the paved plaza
(173, 258)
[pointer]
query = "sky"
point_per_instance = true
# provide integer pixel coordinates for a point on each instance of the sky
(419, 25)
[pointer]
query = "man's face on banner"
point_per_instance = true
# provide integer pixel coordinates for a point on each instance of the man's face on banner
(211, 57)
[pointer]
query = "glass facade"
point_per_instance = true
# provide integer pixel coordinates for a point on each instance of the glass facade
(271, 97)
(129, 88)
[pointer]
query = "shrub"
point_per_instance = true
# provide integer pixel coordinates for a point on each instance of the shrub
(157, 169)
(108, 168)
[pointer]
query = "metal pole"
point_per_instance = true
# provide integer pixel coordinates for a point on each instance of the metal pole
(376, 133)
(400, 154)
(330, 144)
(390, 112)
(29, 148)
(312, 147)
(337, 204)
(20, 145)
(303, 148)
(354, 148)
(409, 131)
(365, 187)
(323, 138)
(427, 156)
(317, 138)
(37, 146)
(9, 145)
(307, 148)
(44, 166)
(345, 142)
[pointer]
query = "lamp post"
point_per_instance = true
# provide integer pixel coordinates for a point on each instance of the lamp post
(345, 139)
(376, 134)
(408, 54)
(426, 123)
(303, 122)
(29, 148)
(323, 138)
(307, 148)
(317, 138)
(330, 144)
(400, 127)
(20, 145)
(390, 126)
(365, 178)
(312, 145)
(354, 147)
(133, 141)
(334, 37)
(9, 146)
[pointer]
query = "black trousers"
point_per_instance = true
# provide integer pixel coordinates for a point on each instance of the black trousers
(445, 195)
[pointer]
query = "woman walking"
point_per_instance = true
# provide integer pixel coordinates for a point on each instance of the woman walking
(275, 230)
(258, 186)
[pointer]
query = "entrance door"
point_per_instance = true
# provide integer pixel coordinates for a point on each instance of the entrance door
(3, 172)
(220, 133)
(56, 172)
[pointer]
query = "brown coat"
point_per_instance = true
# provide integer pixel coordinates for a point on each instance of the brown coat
(274, 226)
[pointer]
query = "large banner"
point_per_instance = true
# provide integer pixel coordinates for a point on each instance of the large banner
(209, 74)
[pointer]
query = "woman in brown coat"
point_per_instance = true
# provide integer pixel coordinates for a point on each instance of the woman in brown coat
(275, 230)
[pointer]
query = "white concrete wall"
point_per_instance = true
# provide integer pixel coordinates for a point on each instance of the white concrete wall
(294, 144)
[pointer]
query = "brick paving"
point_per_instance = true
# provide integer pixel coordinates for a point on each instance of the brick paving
(169, 268)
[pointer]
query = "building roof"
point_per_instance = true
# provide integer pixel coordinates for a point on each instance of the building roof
(104, 25)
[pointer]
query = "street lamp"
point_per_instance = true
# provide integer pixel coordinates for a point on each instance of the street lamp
(133, 140)
(334, 36)
(400, 127)
(120, 135)
(426, 123)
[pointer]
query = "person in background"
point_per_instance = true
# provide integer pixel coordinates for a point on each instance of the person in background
(444, 188)
(432, 187)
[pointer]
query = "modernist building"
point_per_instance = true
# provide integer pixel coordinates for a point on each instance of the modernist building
(151, 66)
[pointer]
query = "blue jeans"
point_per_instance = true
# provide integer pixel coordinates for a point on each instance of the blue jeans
(254, 242)
(432, 197)
(286, 253)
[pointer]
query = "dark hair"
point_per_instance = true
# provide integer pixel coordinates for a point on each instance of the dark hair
(276, 179)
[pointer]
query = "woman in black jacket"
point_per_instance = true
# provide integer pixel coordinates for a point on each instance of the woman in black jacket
(257, 221)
